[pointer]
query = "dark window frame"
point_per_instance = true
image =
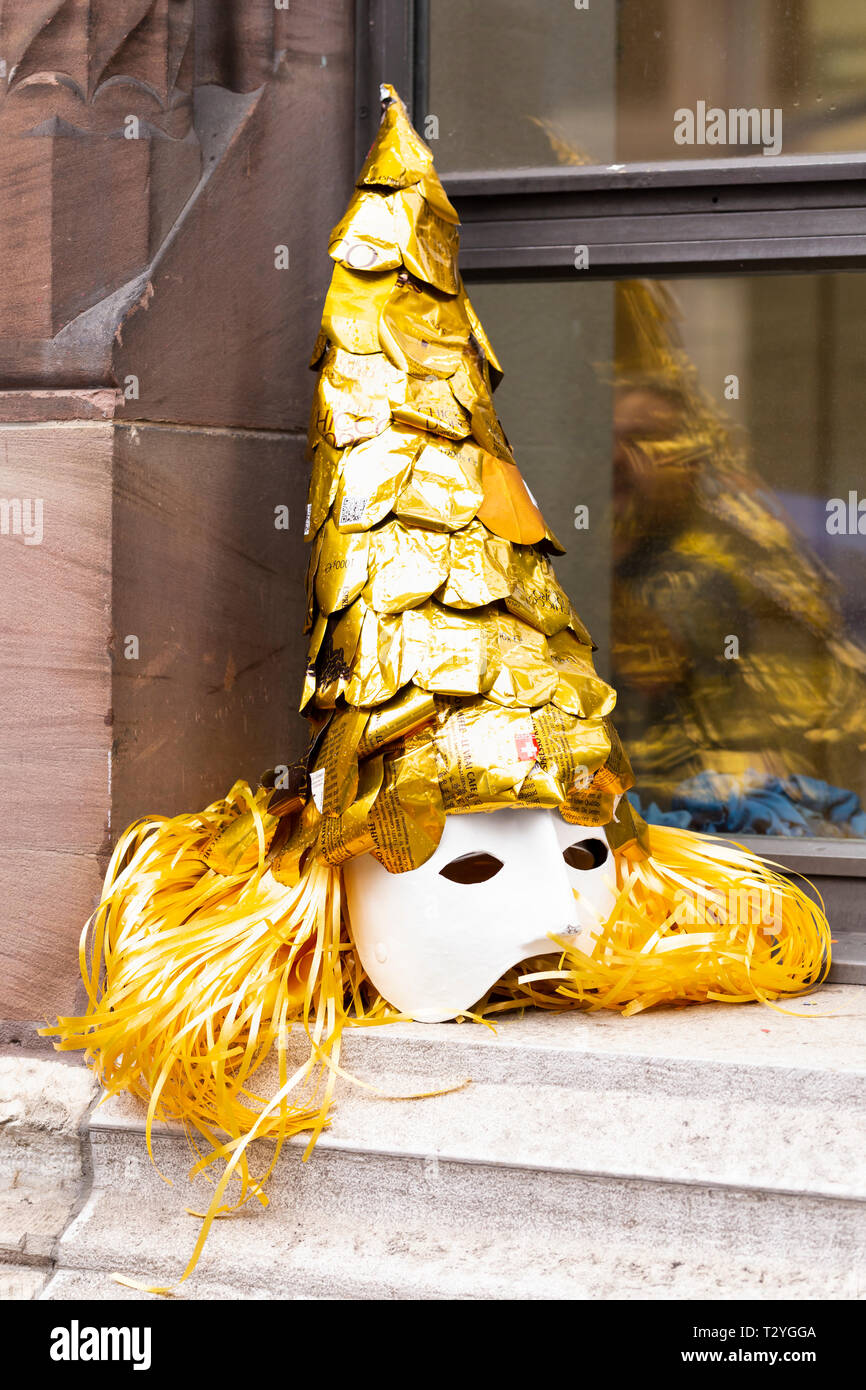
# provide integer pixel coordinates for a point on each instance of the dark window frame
(744, 215)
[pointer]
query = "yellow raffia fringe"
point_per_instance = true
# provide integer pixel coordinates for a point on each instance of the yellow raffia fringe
(194, 979)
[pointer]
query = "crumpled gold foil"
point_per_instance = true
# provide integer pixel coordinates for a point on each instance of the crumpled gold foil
(365, 238)
(579, 690)
(535, 594)
(353, 307)
(430, 404)
(422, 331)
(399, 157)
(406, 566)
(484, 754)
(345, 836)
(452, 653)
(354, 397)
(408, 816)
(372, 476)
(428, 241)
(444, 489)
(480, 567)
(341, 572)
(379, 668)
(525, 675)
(408, 711)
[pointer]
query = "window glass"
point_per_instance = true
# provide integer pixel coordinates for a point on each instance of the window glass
(698, 446)
(528, 83)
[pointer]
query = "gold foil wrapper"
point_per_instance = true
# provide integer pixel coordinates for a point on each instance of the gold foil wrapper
(408, 711)
(408, 817)
(428, 242)
(365, 238)
(535, 594)
(354, 397)
(627, 832)
(591, 800)
(372, 476)
(508, 509)
(406, 566)
(422, 331)
(354, 306)
(524, 675)
(334, 776)
(471, 388)
(436, 197)
(452, 653)
(480, 568)
(430, 405)
(316, 638)
(579, 689)
(310, 583)
(341, 572)
(348, 835)
(444, 490)
(378, 670)
(399, 157)
(334, 665)
(324, 480)
(570, 752)
(484, 753)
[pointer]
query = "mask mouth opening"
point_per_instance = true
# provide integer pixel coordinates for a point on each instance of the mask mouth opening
(586, 854)
(477, 867)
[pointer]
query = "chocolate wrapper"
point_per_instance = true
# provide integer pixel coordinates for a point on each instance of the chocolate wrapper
(354, 306)
(337, 654)
(579, 690)
(422, 332)
(372, 476)
(365, 238)
(408, 711)
(407, 817)
(525, 675)
(406, 566)
(535, 594)
(444, 490)
(452, 653)
(334, 776)
(480, 568)
(379, 669)
(354, 397)
(428, 241)
(345, 836)
(431, 405)
(484, 754)
(341, 572)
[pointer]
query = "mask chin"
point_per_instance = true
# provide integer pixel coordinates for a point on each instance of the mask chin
(434, 942)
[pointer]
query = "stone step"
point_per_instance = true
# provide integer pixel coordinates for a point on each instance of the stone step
(704, 1152)
(43, 1103)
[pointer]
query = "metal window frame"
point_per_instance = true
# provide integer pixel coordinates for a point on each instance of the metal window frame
(745, 215)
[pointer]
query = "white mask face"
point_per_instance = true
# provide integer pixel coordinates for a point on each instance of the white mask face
(434, 940)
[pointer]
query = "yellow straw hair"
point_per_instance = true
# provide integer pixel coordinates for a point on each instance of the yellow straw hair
(699, 919)
(195, 978)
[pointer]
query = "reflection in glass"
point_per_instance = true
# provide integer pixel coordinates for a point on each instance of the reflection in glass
(512, 81)
(714, 429)
(742, 693)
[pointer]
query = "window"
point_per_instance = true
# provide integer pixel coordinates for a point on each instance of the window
(680, 318)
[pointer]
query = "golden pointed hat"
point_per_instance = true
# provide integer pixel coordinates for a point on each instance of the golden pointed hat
(447, 669)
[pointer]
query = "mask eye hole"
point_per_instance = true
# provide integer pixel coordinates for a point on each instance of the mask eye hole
(585, 854)
(472, 868)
